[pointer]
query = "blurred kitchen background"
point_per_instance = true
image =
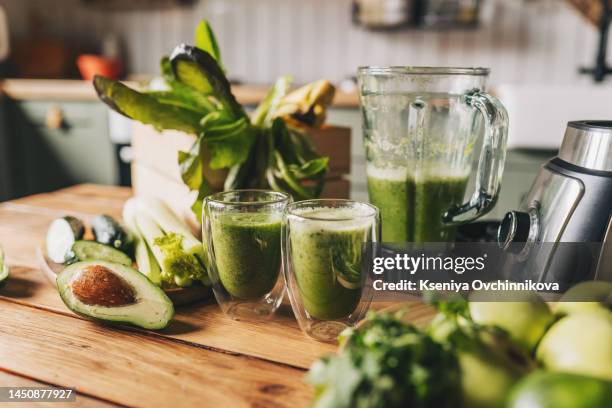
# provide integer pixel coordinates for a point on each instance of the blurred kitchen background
(547, 59)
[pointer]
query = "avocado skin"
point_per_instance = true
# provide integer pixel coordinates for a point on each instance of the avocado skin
(125, 315)
(561, 390)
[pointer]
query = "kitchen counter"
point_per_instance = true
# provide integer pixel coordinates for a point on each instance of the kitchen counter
(72, 89)
(202, 356)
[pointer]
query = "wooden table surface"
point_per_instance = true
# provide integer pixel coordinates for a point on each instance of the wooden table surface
(202, 359)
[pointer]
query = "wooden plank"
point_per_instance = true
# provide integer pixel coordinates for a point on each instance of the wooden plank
(10, 380)
(96, 190)
(67, 202)
(139, 370)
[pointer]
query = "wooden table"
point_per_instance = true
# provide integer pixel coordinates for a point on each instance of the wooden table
(202, 359)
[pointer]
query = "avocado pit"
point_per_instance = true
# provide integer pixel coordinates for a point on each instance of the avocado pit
(97, 285)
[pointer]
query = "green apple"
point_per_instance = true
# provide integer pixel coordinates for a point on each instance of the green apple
(525, 316)
(579, 343)
(486, 378)
(490, 366)
(489, 361)
(561, 390)
(585, 296)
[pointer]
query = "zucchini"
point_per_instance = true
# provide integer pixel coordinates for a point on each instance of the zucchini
(109, 232)
(61, 235)
(94, 251)
(4, 269)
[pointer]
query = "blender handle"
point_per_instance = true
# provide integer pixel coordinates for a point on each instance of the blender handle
(490, 163)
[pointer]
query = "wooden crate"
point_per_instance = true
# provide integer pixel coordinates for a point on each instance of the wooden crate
(155, 170)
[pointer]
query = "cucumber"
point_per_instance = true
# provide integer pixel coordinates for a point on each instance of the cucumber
(94, 251)
(61, 235)
(109, 232)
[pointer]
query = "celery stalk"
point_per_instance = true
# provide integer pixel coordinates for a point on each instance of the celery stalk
(169, 222)
(177, 266)
(147, 264)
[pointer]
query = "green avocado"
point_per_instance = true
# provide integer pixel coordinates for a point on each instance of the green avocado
(561, 390)
(114, 293)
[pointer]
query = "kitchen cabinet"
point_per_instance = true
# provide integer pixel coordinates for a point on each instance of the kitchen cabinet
(56, 143)
(521, 168)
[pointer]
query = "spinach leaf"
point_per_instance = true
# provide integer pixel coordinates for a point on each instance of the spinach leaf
(206, 41)
(203, 191)
(191, 167)
(199, 70)
(230, 151)
(145, 108)
(229, 143)
(184, 94)
(265, 111)
(311, 169)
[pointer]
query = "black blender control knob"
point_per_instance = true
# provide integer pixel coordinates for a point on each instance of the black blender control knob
(514, 231)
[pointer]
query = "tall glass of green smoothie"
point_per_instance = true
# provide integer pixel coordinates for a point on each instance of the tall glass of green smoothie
(323, 246)
(242, 234)
(423, 129)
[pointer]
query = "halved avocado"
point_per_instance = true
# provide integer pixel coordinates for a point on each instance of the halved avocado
(114, 293)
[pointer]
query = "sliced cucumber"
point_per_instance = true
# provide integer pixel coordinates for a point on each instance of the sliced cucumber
(4, 269)
(61, 235)
(94, 251)
(108, 231)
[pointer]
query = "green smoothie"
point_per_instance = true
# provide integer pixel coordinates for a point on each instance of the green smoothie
(247, 252)
(411, 210)
(326, 258)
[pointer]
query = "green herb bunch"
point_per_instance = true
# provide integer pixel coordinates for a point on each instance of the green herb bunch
(387, 363)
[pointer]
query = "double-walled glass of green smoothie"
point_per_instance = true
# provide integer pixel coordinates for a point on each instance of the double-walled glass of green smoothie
(324, 242)
(242, 233)
(423, 127)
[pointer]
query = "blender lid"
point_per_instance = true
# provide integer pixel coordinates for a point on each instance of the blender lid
(588, 144)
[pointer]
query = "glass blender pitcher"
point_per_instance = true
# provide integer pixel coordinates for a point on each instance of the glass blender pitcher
(422, 129)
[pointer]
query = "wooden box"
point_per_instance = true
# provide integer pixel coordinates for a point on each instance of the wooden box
(155, 170)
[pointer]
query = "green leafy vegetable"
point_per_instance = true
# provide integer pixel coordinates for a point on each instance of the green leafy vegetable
(386, 363)
(199, 70)
(145, 108)
(269, 150)
(206, 41)
(263, 115)
(190, 164)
